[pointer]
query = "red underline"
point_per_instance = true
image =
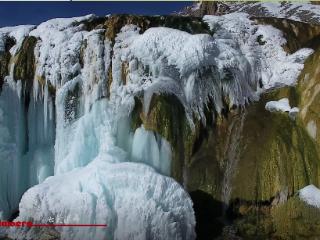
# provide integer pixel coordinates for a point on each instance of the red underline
(69, 225)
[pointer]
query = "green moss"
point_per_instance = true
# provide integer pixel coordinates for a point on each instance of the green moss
(296, 220)
(277, 153)
(256, 223)
(167, 117)
(292, 219)
(309, 92)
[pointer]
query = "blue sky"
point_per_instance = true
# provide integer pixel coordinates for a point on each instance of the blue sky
(17, 13)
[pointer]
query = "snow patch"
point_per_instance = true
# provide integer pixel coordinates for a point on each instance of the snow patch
(312, 129)
(268, 63)
(311, 195)
(303, 12)
(282, 105)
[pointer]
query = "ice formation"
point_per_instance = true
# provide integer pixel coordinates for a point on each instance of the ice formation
(311, 195)
(103, 172)
(27, 156)
(132, 199)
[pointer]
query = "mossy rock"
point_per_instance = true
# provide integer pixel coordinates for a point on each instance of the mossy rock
(5, 59)
(292, 219)
(166, 116)
(276, 153)
(296, 220)
(25, 67)
(309, 95)
(24, 63)
(193, 25)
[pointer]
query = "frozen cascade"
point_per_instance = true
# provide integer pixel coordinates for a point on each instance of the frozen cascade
(135, 201)
(12, 143)
(31, 145)
(26, 144)
(103, 171)
(86, 148)
(151, 149)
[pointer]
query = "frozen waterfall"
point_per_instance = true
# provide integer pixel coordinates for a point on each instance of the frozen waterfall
(70, 137)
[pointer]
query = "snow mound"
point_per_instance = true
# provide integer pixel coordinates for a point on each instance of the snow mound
(282, 105)
(311, 195)
(132, 199)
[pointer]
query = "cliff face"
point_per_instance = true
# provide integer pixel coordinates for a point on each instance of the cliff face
(135, 104)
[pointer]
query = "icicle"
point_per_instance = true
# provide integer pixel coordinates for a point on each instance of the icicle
(45, 108)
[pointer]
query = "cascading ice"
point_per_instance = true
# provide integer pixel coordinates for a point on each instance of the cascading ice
(104, 172)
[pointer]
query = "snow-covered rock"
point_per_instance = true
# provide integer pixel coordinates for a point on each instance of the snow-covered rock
(268, 63)
(311, 195)
(298, 11)
(132, 199)
(282, 105)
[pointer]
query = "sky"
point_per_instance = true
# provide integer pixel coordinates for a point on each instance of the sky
(18, 13)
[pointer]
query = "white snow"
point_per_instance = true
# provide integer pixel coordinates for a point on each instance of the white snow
(132, 199)
(59, 48)
(311, 195)
(298, 11)
(268, 62)
(282, 105)
(312, 129)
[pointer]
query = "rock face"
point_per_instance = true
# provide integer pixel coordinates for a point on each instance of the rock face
(194, 90)
(5, 58)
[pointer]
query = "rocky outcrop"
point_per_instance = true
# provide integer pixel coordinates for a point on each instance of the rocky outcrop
(309, 93)
(5, 59)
